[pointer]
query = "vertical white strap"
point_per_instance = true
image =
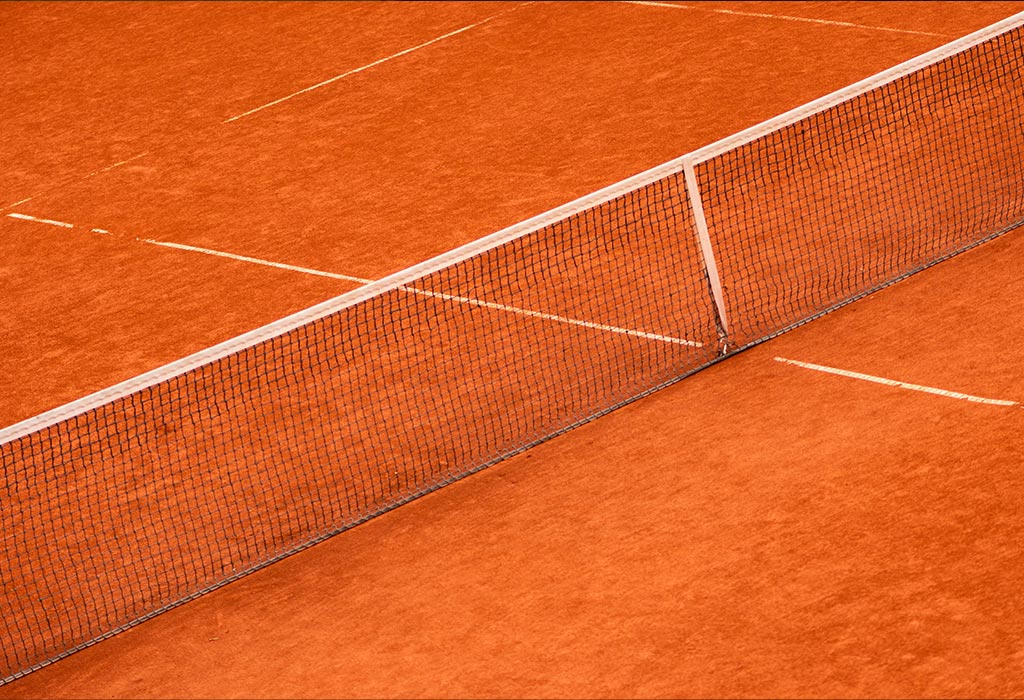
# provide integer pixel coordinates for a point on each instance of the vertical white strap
(701, 224)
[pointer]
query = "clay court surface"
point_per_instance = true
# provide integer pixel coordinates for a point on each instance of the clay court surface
(758, 529)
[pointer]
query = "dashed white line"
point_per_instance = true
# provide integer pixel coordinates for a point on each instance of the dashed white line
(895, 383)
(371, 65)
(766, 15)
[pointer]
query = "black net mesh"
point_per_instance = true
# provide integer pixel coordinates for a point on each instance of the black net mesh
(874, 188)
(132, 506)
(123, 510)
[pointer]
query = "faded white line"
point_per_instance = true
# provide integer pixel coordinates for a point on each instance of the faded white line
(895, 383)
(766, 15)
(51, 222)
(116, 165)
(375, 63)
(437, 295)
(83, 177)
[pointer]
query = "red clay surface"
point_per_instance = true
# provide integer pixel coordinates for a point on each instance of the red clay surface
(90, 84)
(445, 145)
(533, 109)
(111, 307)
(757, 529)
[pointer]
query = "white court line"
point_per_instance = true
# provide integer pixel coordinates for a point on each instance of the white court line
(765, 15)
(116, 165)
(516, 231)
(553, 317)
(304, 90)
(375, 63)
(255, 261)
(51, 222)
(437, 295)
(897, 384)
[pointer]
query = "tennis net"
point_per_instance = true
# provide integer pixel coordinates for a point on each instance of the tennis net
(145, 495)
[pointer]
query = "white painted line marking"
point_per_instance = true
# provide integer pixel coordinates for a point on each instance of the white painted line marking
(436, 295)
(116, 165)
(897, 384)
(83, 177)
(552, 317)
(402, 277)
(100, 230)
(765, 15)
(375, 63)
(51, 222)
(256, 261)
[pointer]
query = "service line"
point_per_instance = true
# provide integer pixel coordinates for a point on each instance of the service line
(379, 61)
(895, 383)
(480, 303)
(51, 222)
(790, 18)
(116, 165)
(254, 261)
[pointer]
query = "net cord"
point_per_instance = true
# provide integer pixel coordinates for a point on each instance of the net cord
(482, 245)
